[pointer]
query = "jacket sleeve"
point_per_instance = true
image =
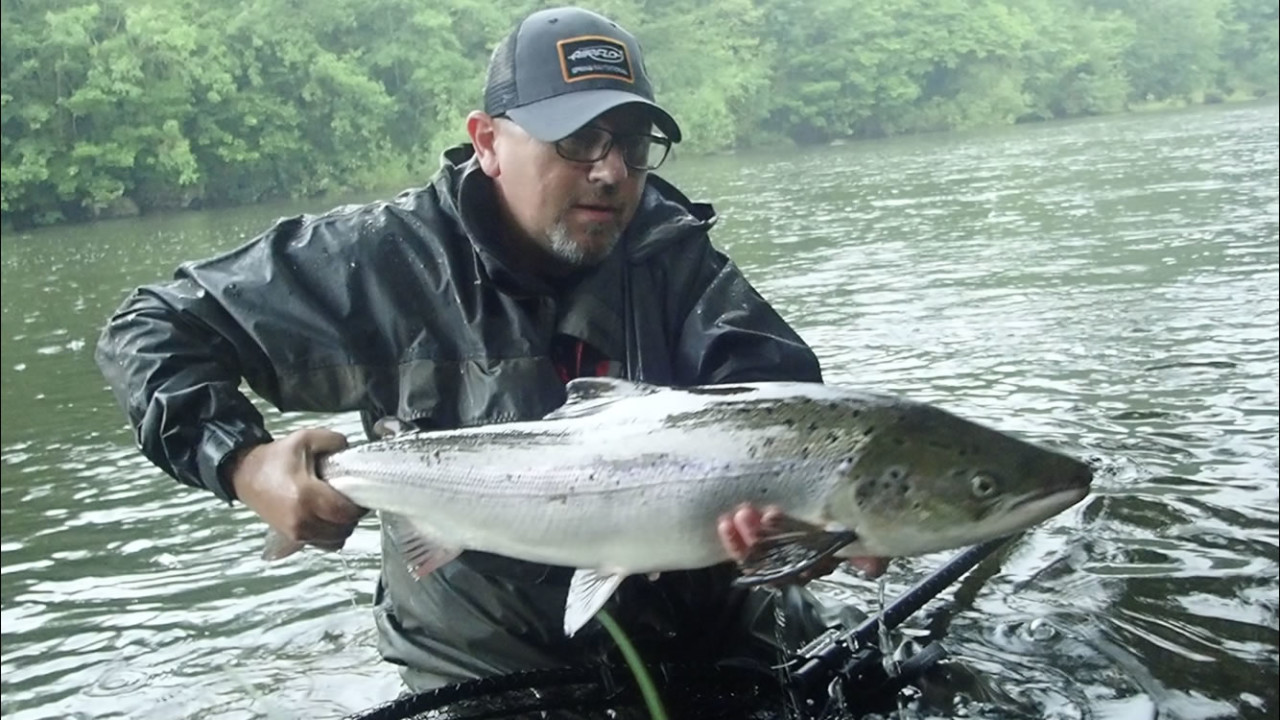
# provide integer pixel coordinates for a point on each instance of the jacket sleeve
(177, 376)
(732, 334)
(176, 354)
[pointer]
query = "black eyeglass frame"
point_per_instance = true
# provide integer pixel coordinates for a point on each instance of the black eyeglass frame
(602, 149)
(660, 140)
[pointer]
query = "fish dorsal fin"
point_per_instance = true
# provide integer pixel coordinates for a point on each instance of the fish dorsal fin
(588, 592)
(422, 555)
(589, 394)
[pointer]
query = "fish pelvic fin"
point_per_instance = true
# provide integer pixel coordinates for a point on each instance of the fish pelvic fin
(786, 548)
(277, 546)
(422, 555)
(588, 592)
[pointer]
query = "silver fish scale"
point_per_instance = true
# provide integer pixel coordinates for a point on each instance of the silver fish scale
(559, 496)
(631, 477)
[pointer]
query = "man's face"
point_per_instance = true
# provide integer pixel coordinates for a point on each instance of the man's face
(574, 211)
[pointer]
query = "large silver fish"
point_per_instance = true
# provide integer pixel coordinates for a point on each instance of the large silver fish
(628, 478)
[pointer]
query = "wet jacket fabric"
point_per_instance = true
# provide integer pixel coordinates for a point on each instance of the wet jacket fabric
(410, 308)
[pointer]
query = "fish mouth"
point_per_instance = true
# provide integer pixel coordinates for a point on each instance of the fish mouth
(1031, 511)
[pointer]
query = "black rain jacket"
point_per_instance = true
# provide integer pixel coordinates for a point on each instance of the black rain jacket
(410, 309)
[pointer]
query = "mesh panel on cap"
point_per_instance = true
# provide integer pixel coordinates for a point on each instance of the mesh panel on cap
(500, 84)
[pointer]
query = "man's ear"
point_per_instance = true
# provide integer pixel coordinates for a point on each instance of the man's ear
(483, 131)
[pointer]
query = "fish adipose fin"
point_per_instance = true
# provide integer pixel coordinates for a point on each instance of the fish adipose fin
(787, 548)
(388, 427)
(588, 592)
(422, 555)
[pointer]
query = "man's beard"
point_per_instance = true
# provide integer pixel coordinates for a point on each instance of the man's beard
(560, 242)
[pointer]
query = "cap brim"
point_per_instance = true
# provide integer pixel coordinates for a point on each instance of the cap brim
(558, 117)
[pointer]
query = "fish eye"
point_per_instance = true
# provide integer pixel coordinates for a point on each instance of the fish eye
(983, 485)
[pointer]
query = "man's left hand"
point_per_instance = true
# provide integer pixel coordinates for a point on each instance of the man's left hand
(740, 529)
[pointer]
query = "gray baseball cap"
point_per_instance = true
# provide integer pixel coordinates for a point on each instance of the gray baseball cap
(562, 67)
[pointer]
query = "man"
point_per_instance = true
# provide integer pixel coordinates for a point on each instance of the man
(543, 250)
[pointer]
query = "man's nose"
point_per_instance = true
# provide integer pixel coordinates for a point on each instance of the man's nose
(610, 169)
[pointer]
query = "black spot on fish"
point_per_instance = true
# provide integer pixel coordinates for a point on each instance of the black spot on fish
(895, 474)
(833, 438)
(789, 423)
(813, 427)
(871, 429)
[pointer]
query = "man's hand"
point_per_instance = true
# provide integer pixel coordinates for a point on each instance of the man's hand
(278, 481)
(740, 529)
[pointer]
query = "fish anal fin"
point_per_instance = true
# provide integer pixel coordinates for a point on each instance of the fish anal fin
(786, 548)
(277, 546)
(422, 555)
(588, 592)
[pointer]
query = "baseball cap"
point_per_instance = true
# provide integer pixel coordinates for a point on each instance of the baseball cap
(561, 67)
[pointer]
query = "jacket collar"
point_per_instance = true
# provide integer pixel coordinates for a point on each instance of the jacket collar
(665, 216)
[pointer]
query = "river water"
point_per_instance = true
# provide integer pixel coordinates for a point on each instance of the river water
(1109, 287)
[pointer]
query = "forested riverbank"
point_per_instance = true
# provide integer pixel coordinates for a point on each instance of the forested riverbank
(113, 108)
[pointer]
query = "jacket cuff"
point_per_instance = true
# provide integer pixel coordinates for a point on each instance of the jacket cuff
(222, 440)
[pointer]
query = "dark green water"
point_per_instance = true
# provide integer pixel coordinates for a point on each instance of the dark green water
(1110, 287)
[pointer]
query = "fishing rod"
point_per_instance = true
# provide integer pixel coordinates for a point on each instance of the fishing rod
(848, 662)
(838, 670)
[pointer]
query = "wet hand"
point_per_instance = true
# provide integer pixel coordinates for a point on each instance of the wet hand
(742, 528)
(278, 481)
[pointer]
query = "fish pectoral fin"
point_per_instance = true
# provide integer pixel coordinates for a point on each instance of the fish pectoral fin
(588, 592)
(787, 548)
(422, 555)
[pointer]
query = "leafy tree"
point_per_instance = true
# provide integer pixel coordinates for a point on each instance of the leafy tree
(113, 106)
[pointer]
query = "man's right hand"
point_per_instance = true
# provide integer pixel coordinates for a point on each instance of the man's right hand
(278, 481)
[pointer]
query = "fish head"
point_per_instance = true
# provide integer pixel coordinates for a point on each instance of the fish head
(922, 479)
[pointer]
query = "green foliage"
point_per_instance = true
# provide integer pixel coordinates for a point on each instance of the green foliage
(110, 107)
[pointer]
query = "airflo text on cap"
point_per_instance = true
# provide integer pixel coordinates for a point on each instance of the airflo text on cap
(562, 67)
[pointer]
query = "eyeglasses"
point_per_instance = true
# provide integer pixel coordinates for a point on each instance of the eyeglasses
(591, 143)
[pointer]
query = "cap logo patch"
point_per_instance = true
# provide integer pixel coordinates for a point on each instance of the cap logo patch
(594, 56)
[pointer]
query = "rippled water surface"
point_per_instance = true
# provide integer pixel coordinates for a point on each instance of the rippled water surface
(1109, 287)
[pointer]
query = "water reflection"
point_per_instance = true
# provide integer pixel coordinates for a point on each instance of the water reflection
(1106, 287)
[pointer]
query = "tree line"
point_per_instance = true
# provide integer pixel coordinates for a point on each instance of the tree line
(121, 106)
